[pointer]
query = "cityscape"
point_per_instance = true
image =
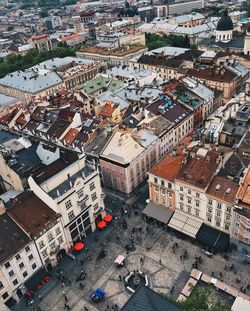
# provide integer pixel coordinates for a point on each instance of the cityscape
(124, 155)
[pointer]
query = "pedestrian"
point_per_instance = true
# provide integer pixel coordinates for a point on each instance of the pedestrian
(65, 306)
(40, 297)
(63, 284)
(63, 292)
(160, 261)
(68, 307)
(181, 257)
(65, 298)
(220, 274)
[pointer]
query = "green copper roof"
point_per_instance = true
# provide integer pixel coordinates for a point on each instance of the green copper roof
(101, 83)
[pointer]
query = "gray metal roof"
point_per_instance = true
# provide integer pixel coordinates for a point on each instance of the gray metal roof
(30, 81)
(145, 299)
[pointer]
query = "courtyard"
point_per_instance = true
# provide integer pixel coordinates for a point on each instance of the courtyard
(151, 252)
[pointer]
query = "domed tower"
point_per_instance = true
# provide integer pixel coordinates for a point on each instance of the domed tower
(128, 11)
(224, 29)
(247, 41)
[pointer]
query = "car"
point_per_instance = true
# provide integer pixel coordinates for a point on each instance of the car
(207, 253)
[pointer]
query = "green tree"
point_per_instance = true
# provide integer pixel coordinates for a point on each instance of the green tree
(246, 7)
(203, 299)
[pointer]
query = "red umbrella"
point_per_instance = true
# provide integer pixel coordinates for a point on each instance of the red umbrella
(108, 218)
(101, 224)
(79, 246)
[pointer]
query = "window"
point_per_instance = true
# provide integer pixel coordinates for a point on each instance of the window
(41, 244)
(181, 197)
(219, 205)
(34, 266)
(209, 219)
(228, 217)
(11, 273)
(163, 191)
(189, 201)
(181, 206)
(80, 194)
(155, 180)
(228, 209)
(218, 213)
(217, 223)
(169, 185)
(92, 186)
(210, 202)
(58, 230)
(25, 274)
(197, 195)
(197, 204)
(44, 253)
(189, 191)
(27, 249)
(209, 210)
(17, 257)
(50, 237)
(21, 265)
(197, 212)
(162, 183)
(93, 196)
(1, 285)
(68, 204)
(53, 245)
(189, 209)
(30, 257)
(7, 265)
(5, 295)
(246, 240)
(15, 282)
(181, 188)
(60, 240)
(226, 227)
(96, 206)
(156, 189)
(71, 215)
(170, 194)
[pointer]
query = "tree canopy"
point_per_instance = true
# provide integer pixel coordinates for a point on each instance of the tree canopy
(154, 41)
(246, 7)
(17, 62)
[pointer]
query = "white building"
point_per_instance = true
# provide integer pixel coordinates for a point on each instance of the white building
(74, 191)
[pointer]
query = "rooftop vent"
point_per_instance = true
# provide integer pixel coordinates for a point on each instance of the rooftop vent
(228, 190)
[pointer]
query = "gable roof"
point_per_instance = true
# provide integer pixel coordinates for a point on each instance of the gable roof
(145, 299)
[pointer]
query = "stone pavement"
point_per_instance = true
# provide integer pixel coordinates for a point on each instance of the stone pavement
(153, 244)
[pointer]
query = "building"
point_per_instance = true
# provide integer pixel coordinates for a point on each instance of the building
(53, 22)
(42, 224)
(19, 259)
(220, 203)
(179, 8)
(179, 115)
(114, 57)
(72, 189)
(218, 78)
(29, 84)
(241, 227)
(126, 158)
(73, 39)
(41, 43)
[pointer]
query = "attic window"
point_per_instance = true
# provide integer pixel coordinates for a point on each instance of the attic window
(228, 190)
(217, 187)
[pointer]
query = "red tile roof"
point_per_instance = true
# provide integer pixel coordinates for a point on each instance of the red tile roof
(107, 110)
(70, 136)
(219, 74)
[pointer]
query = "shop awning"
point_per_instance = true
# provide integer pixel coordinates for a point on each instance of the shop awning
(158, 212)
(213, 237)
(185, 223)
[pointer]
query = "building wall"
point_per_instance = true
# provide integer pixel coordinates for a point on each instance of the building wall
(241, 228)
(51, 242)
(5, 288)
(19, 268)
(9, 178)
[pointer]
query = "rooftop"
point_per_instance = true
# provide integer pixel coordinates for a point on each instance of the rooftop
(115, 52)
(101, 83)
(199, 168)
(12, 238)
(173, 111)
(219, 74)
(244, 191)
(223, 189)
(111, 97)
(122, 148)
(30, 81)
(107, 110)
(31, 213)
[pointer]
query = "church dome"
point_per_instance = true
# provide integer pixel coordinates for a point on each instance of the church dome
(128, 11)
(225, 23)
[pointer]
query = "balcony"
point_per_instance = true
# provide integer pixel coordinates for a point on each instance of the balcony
(98, 211)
